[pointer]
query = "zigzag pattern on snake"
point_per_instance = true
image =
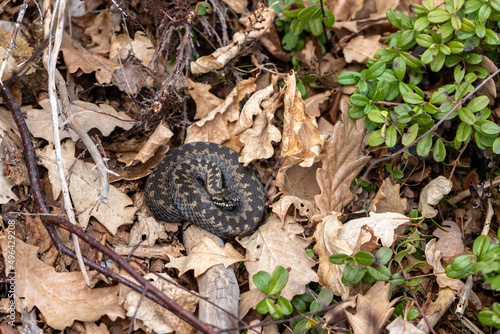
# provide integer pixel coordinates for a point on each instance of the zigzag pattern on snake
(204, 183)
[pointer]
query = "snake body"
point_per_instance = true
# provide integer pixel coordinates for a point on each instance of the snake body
(203, 183)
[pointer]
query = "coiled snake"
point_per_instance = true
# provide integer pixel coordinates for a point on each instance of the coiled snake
(204, 183)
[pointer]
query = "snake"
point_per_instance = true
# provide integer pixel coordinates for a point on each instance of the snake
(205, 184)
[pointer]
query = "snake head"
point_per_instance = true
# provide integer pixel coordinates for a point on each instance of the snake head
(226, 199)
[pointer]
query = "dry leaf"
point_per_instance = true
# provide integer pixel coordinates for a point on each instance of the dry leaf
(305, 208)
(273, 245)
(214, 126)
(155, 318)
(146, 231)
(301, 141)
(222, 56)
(104, 26)
(373, 310)
(88, 115)
(62, 298)
(205, 255)
(238, 6)
(433, 258)
(327, 244)
(432, 194)
(6, 194)
(401, 326)
(450, 242)
(84, 188)
(160, 137)
(299, 181)
(388, 199)
(313, 103)
(342, 162)
(382, 224)
(77, 58)
(361, 48)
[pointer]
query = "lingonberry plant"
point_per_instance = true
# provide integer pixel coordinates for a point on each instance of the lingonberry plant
(451, 40)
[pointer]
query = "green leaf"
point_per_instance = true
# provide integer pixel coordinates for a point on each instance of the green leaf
(405, 38)
(491, 37)
(480, 30)
(316, 26)
(471, 44)
(429, 54)
(478, 103)
(495, 4)
(307, 13)
(261, 281)
(359, 100)
(364, 258)
(375, 138)
(348, 78)
(412, 98)
(446, 30)
(284, 305)
(459, 73)
(466, 116)
(384, 254)
(438, 62)
(381, 273)
(325, 297)
(262, 306)
(381, 90)
(329, 19)
(421, 23)
(391, 136)
(410, 136)
(297, 26)
(425, 40)
(411, 60)
(460, 267)
(375, 70)
(439, 96)
(463, 132)
(456, 47)
(468, 25)
(376, 116)
(472, 6)
(496, 146)
(424, 145)
(299, 304)
(484, 12)
(289, 41)
(462, 90)
(438, 15)
(481, 245)
(339, 258)
(490, 128)
(399, 67)
(456, 22)
(278, 281)
(439, 151)
(445, 49)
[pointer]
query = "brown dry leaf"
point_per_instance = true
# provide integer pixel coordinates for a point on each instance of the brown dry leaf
(313, 103)
(401, 326)
(258, 134)
(84, 187)
(220, 57)
(301, 141)
(155, 318)
(160, 137)
(238, 6)
(305, 208)
(248, 300)
(382, 224)
(104, 26)
(361, 48)
(88, 115)
(327, 244)
(388, 199)
(432, 193)
(338, 313)
(77, 58)
(61, 297)
(433, 257)
(342, 162)
(373, 310)
(146, 231)
(450, 242)
(10, 66)
(205, 255)
(299, 181)
(489, 89)
(214, 126)
(275, 245)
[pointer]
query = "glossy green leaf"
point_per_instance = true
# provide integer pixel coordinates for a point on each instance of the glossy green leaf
(375, 138)
(297, 26)
(438, 15)
(496, 146)
(399, 67)
(446, 30)
(376, 116)
(491, 37)
(338, 258)
(438, 62)
(329, 19)
(478, 103)
(261, 281)
(424, 146)
(463, 132)
(284, 305)
(468, 25)
(425, 40)
(364, 258)
(381, 90)
(456, 22)
(490, 128)
(484, 13)
(439, 151)
(456, 47)
(466, 116)
(391, 136)
(348, 78)
(359, 100)
(307, 13)
(375, 70)
(421, 23)
(381, 273)
(278, 281)
(412, 98)
(410, 135)
(262, 306)
(316, 26)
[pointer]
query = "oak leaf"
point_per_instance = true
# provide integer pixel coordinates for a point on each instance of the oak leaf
(432, 194)
(62, 298)
(388, 199)
(205, 255)
(84, 187)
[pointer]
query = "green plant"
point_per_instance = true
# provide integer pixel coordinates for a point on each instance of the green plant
(454, 39)
(299, 21)
(370, 268)
(395, 172)
(272, 285)
(312, 302)
(485, 263)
